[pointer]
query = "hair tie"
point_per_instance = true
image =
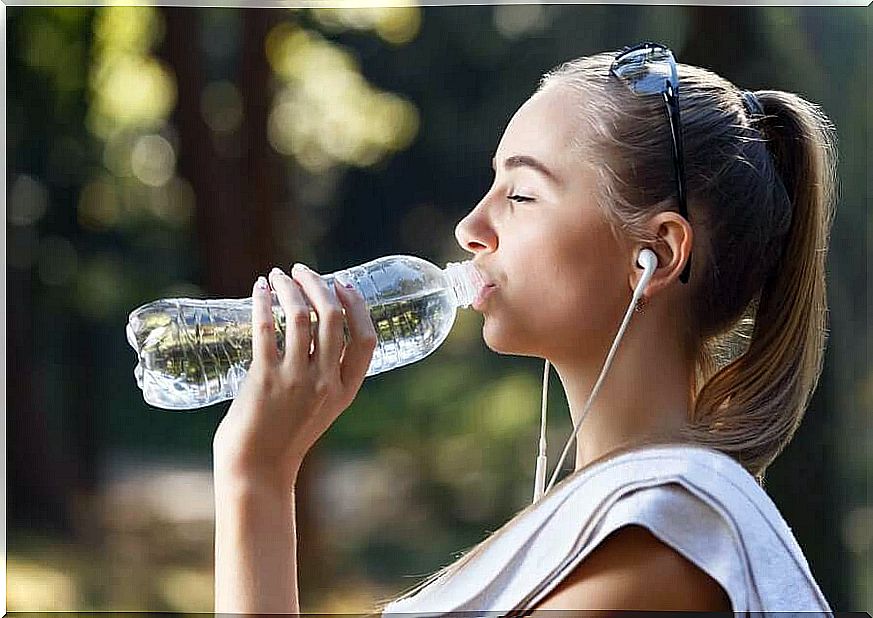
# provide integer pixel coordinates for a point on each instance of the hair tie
(750, 101)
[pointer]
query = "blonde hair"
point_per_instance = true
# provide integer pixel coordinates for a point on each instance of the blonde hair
(761, 193)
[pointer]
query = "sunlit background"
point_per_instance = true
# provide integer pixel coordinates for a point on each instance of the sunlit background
(160, 152)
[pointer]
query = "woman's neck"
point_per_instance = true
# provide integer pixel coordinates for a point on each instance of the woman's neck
(644, 398)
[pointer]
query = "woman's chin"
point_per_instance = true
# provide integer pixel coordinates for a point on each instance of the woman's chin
(499, 340)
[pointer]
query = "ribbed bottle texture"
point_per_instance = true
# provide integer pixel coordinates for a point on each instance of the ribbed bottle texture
(193, 353)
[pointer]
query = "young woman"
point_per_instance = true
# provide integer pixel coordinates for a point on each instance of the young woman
(732, 195)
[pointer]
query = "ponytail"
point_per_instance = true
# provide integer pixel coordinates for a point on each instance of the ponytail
(751, 408)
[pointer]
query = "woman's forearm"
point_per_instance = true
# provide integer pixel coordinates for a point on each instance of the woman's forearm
(255, 548)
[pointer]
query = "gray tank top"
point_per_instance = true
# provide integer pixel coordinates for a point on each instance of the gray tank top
(699, 501)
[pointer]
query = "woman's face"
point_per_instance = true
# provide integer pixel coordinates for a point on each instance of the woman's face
(561, 277)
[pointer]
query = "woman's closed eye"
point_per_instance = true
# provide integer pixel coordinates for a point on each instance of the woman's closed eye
(520, 198)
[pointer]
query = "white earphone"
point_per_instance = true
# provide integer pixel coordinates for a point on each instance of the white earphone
(648, 261)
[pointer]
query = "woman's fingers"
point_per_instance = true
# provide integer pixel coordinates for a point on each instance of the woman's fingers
(329, 342)
(263, 329)
(362, 338)
(298, 333)
(354, 360)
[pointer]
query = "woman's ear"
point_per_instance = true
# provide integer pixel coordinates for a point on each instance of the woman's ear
(672, 246)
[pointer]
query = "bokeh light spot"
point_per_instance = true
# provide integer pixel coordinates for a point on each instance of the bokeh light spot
(153, 160)
(128, 28)
(28, 201)
(393, 24)
(399, 25)
(517, 20)
(328, 114)
(128, 90)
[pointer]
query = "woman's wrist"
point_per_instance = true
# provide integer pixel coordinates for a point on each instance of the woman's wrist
(241, 475)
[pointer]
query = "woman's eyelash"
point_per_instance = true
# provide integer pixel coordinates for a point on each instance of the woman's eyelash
(520, 198)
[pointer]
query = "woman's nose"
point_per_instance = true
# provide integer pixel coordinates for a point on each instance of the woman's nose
(474, 233)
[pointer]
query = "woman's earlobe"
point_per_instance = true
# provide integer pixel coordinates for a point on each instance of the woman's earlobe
(641, 304)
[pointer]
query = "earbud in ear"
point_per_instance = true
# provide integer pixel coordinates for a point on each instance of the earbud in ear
(648, 261)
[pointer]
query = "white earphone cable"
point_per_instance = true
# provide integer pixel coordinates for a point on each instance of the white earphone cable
(540, 476)
(649, 262)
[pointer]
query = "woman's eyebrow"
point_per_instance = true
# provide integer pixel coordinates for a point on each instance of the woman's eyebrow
(527, 161)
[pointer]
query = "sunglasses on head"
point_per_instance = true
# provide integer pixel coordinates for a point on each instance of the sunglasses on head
(649, 68)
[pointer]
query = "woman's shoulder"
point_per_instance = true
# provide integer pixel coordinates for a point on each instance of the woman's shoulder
(632, 569)
(652, 541)
(696, 504)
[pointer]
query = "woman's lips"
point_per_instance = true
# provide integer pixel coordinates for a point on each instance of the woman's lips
(483, 294)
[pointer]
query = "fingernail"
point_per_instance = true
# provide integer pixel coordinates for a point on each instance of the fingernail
(351, 288)
(276, 271)
(261, 283)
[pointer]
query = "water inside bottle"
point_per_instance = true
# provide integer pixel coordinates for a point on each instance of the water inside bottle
(194, 353)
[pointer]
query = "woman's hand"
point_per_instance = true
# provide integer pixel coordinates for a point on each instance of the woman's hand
(287, 402)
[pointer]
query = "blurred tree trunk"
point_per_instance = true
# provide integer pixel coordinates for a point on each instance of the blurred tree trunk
(237, 189)
(230, 252)
(804, 479)
(38, 487)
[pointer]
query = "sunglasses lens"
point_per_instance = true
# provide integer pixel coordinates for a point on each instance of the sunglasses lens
(645, 70)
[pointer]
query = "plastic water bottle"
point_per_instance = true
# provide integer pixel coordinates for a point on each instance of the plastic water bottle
(193, 353)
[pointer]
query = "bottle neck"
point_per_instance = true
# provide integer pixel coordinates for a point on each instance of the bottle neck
(464, 281)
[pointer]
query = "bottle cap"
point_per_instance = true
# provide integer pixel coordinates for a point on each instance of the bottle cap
(464, 280)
